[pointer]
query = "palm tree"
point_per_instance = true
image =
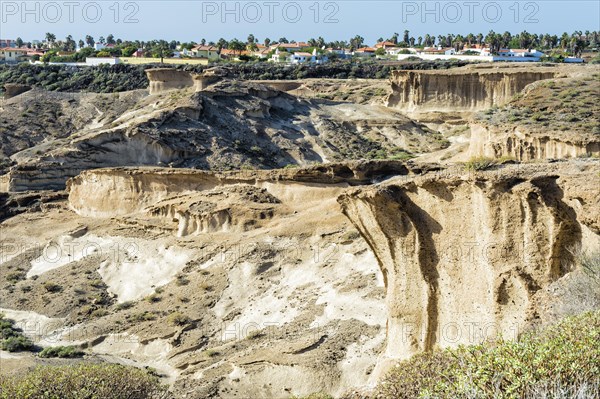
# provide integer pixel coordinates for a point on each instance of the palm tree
(506, 38)
(492, 39)
(406, 38)
(251, 38)
(357, 42)
(441, 40)
(222, 43)
(458, 42)
(236, 46)
(470, 39)
(81, 43)
(50, 38)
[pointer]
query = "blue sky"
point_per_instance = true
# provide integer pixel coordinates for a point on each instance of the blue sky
(299, 20)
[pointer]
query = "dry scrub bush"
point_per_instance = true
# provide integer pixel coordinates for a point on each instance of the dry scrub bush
(560, 361)
(83, 381)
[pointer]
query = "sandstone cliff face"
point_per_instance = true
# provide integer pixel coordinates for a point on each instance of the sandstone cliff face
(460, 89)
(463, 255)
(164, 79)
(521, 145)
(122, 191)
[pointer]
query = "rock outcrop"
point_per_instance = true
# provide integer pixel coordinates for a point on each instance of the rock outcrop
(229, 125)
(463, 255)
(164, 79)
(13, 89)
(518, 143)
(121, 191)
(464, 89)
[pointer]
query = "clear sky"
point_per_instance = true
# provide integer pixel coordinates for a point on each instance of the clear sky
(298, 20)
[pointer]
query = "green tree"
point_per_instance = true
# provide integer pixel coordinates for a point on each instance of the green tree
(222, 43)
(237, 46)
(19, 42)
(50, 38)
(110, 39)
(357, 42)
(89, 40)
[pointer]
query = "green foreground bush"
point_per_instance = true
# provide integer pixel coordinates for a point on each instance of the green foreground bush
(61, 351)
(561, 361)
(83, 381)
(12, 338)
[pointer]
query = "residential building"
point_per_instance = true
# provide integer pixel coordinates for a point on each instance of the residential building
(208, 52)
(300, 58)
(11, 54)
(438, 51)
(364, 52)
(385, 45)
(290, 47)
(232, 54)
(399, 50)
(8, 43)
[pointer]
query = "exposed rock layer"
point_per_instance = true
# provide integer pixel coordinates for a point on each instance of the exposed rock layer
(164, 79)
(461, 89)
(462, 255)
(521, 145)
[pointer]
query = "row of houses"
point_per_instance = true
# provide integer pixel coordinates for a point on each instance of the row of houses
(295, 53)
(479, 53)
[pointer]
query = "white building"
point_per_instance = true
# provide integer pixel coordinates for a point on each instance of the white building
(300, 58)
(11, 54)
(93, 61)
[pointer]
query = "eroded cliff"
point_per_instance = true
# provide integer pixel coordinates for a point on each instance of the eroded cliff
(466, 89)
(464, 254)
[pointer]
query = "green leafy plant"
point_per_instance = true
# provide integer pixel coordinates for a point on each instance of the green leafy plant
(12, 338)
(61, 351)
